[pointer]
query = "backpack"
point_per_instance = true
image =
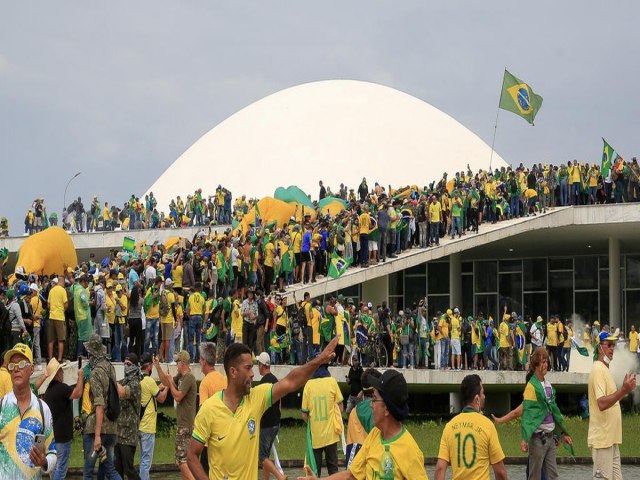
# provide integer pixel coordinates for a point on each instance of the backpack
(164, 305)
(112, 411)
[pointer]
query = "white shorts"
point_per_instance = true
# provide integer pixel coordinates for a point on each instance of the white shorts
(373, 246)
(607, 460)
(455, 346)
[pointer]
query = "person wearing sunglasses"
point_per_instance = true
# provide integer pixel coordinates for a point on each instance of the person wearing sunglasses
(24, 418)
(605, 419)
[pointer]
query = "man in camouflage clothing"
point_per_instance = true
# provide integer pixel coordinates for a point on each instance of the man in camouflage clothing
(129, 419)
(99, 431)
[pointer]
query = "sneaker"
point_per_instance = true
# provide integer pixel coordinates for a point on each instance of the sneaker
(173, 363)
(39, 367)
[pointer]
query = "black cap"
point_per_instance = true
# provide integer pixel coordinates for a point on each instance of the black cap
(132, 357)
(393, 388)
(146, 359)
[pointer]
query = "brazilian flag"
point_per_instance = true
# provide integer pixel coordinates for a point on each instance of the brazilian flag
(607, 153)
(520, 343)
(519, 98)
(309, 458)
(337, 266)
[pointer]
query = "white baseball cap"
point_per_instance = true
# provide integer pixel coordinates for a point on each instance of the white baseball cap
(264, 359)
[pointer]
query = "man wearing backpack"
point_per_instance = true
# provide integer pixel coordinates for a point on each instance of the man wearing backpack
(129, 419)
(100, 429)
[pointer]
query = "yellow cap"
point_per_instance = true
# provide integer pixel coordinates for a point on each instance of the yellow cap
(21, 349)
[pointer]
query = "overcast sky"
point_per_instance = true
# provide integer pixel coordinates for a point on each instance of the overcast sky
(118, 90)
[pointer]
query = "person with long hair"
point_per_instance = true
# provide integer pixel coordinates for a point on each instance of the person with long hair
(136, 332)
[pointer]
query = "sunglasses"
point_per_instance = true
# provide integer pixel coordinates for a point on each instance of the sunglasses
(20, 365)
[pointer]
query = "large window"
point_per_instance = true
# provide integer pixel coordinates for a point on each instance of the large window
(487, 305)
(633, 272)
(415, 288)
(486, 274)
(534, 275)
(586, 273)
(510, 286)
(561, 293)
(587, 306)
(535, 304)
(438, 278)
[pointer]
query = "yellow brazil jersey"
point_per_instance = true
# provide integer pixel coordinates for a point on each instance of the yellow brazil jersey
(153, 312)
(470, 445)
(124, 309)
(6, 385)
(232, 439)
(297, 242)
(320, 399)
(148, 392)
(633, 342)
(171, 300)
(552, 334)
(177, 274)
(365, 223)
(443, 325)
(315, 326)
(110, 302)
(196, 304)
(36, 306)
(408, 460)
(57, 298)
(568, 334)
(455, 328)
(269, 254)
(281, 316)
(475, 337)
(504, 335)
(434, 211)
(236, 319)
(211, 384)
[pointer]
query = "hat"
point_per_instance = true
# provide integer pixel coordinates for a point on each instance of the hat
(54, 280)
(607, 337)
(539, 319)
(168, 282)
(392, 386)
(264, 359)
(21, 349)
(118, 288)
(52, 367)
(184, 357)
(34, 287)
(369, 305)
(596, 323)
(132, 357)
(146, 359)
(94, 346)
(109, 284)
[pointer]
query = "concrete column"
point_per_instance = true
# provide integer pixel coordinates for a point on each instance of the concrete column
(614, 283)
(376, 290)
(455, 281)
(455, 402)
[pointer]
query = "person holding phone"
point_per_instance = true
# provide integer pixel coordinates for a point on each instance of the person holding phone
(21, 411)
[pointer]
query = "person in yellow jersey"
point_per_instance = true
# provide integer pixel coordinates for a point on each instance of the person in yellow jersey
(150, 395)
(5, 378)
(193, 321)
(229, 423)
(552, 343)
(435, 215)
(56, 326)
(167, 319)
(360, 421)
(507, 342)
(566, 346)
(322, 409)
(121, 310)
(445, 340)
(389, 451)
(456, 346)
(364, 222)
(38, 309)
(633, 341)
(470, 441)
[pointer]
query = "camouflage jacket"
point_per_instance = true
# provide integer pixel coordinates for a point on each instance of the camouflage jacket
(129, 418)
(98, 395)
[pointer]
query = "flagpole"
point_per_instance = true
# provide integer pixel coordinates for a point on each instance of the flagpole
(495, 127)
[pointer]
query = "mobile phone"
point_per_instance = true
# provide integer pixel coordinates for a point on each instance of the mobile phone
(39, 442)
(79, 363)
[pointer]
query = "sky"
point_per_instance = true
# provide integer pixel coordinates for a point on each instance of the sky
(119, 90)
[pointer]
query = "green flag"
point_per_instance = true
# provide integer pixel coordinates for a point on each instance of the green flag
(337, 266)
(309, 458)
(607, 153)
(519, 98)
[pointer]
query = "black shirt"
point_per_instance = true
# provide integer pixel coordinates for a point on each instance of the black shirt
(355, 380)
(270, 418)
(57, 397)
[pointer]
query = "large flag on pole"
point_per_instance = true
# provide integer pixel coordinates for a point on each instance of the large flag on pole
(607, 154)
(519, 98)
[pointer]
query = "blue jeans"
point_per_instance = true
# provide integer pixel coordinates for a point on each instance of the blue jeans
(407, 351)
(119, 350)
(564, 192)
(108, 442)
(147, 443)
(195, 329)
(63, 451)
(455, 226)
(364, 249)
(151, 335)
(434, 233)
(397, 235)
(514, 205)
(297, 351)
(444, 352)
(575, 190)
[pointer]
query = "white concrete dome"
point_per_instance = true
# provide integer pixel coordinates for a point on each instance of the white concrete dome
(337, 131)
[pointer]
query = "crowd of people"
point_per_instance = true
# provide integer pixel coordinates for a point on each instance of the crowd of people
(492, 196)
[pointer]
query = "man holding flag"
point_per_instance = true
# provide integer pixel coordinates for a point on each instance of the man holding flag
(541, 420)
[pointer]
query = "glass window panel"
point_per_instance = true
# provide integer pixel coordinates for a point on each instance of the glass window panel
(561, 293)
(633, 309)
(586, 273)
(396, 303)
(467, 295)
(510, 265)
(535, 304)
(510, 285)
(417, 270)
(486, 274)
(437, 303)
(561, 264)
(415, 289)
(466, 267)
(395, 283)
(604, 297)
(604, 261)
(534, 274)
(633, 271)
(438, 278)
(353, 291)
(587, 306)
(487, 305)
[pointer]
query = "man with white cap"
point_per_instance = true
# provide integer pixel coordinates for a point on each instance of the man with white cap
(59, 396)
(24, 419)
(605, 418)
(270, 423)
